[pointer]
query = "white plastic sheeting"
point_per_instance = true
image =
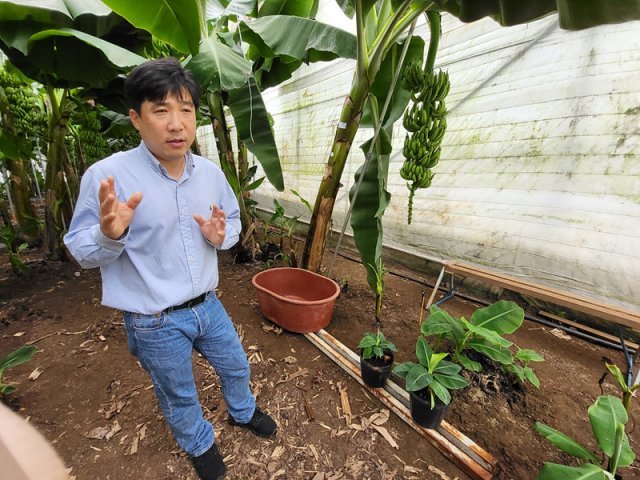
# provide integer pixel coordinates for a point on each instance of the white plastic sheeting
(540, 169)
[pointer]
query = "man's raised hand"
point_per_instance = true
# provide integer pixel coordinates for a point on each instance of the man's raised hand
(115, 216)
(215, 228)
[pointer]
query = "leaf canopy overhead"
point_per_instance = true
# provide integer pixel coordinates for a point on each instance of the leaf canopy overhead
(572, 14)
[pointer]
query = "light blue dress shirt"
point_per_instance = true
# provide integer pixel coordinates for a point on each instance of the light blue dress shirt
(164, 259)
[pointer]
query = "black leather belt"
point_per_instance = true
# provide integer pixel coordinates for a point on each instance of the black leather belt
(188, 304)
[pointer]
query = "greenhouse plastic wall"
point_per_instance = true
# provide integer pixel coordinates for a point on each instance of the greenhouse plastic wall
(540, 169)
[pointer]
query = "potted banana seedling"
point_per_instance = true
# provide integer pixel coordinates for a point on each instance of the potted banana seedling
(483, 336)
(429, 383)
(376, 358)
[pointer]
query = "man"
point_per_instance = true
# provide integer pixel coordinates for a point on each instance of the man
(153, 218)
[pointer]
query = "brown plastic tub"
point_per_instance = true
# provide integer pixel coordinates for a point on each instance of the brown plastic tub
(296, 299)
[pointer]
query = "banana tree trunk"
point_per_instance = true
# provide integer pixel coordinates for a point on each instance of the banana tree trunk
(58, 206)
(227, 162)
(81, 161)
(195, 147)
(20, 187)
(325, 200)
(243, 164)
(24, 211)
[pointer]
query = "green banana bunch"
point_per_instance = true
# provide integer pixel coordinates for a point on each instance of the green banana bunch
(426, 122)
(23, 112)
(414, 118)
(91, 143)
(417, 174)
(412, 77)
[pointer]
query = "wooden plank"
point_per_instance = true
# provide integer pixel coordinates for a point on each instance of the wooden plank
(586, 328)
(608, 312)
(447, 448)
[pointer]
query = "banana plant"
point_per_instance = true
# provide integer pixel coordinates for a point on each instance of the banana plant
(608, 418)
(20, 111)
(369, 196)
(628, 391)
(281, 38)
(374, 44)
(52, 42)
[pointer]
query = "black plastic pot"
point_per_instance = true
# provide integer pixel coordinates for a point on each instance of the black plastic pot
(421, 412)
(376, 370)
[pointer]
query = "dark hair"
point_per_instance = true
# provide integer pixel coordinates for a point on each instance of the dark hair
(154, 80)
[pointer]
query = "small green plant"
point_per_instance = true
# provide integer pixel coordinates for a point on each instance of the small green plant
(374, 345)
(628, 392)
(608, 418)
(483, 334)
(379, 271)
(286, 224)
(304, 201)
(9, 239)
(432, 372)
(17, 357)
(247, 185)
(520, 366)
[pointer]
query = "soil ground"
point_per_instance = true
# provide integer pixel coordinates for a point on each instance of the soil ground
(95, 404)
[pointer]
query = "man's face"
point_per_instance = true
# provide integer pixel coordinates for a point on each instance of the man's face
(167, 127)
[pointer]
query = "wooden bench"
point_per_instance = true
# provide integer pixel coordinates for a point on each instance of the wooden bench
(566, 299)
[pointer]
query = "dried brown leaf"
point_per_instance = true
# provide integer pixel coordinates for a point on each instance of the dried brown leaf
(380, 418)
(438, 472)
(115, 428)
(277, 452)
(97, 433)
(560, 334)
(33, 376)
(386, 435)
(346, 406)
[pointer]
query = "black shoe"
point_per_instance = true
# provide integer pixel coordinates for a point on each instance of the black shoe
(260, 424)
(210, 465)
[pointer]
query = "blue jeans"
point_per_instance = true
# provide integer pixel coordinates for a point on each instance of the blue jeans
(164, 343)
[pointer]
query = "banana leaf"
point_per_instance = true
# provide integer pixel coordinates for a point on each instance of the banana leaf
(273, 71)
(217, 66)
(588, 471)
(565, 443)
(215, 9)
(59, 57)
(14, 147)
(497, 353)
(604, 416)
(177, 22)
(572, 14)
(298, 8)
(500, 317)
(17, 357)
(349, 6)
(382, 83)
(370, 204)
(90, 16)
(440, 323)
(298, 38)
(489, 335)
(252, 123)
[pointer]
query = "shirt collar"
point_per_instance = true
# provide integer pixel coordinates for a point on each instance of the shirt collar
(153, 162)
